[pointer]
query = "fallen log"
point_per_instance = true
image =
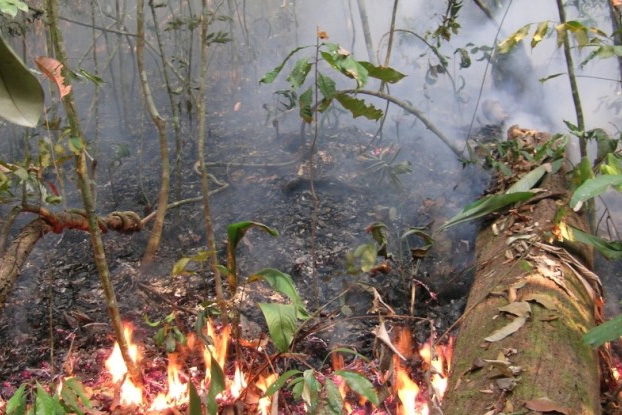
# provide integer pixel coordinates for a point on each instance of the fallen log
(519, 347)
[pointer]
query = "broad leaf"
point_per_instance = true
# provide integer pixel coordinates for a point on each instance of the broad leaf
(359, 384)
(283, 283)
(235, 233)
(509, 43)
(195, 402)
(605, 144)
(282, 323)
(592, 188)
(271, 76)
(528, 181)
(46, 404)
(539, 34)
(609, 249)
(326, 85)
(53, 70)
(383, 73)
(342, 61)
(368, 254)
(298, 75)
(334, 399)
(507, 330)
(180, 266)
(306, 113)
(358, 107)
(281, 381)
(17, 404)
(603, 52)
(21, 95)
(485, 206)
(217, 385)
(606, 332)
(310, 390)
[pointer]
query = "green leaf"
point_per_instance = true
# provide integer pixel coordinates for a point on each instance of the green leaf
(91, 77)
(509, 43)
(298, 75)
(603, 52)
(283, 283)
(368, 254)
(17, 404)
(605, 144)
(358, 107)
(195, 402)
(465, 58)
(235, 233)
(360, 385)
(384, 73)
(347, 351)
(539, 34)
(606, 332)
(485, 206)
(592, 188)
(217, 385)
(269, 77)
(310, 390)
(282, 323)
(281, 381)
(529, 180)
(21, 94)
(579, 32)
(546, 78)
(609, 249)
(180, 266)
(77, 390)
(326, 85)
(45, 404)
(333, 396)
(342, 61)
(306, 113)
(422, 250)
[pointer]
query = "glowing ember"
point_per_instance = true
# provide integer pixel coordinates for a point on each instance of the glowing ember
(130, 394)
(263, 405)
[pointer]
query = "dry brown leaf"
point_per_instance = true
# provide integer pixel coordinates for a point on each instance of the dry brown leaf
(381, 333)
(542, 299)
(52, 69)
(505, 331)
(518, 308)
(544, 404)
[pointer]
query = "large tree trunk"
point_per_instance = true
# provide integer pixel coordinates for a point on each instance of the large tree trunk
(544, 362)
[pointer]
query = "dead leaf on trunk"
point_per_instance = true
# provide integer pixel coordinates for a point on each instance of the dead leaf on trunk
(518, 308)
(542, 299)
(52, 69)
(544, 404)
(505, 331)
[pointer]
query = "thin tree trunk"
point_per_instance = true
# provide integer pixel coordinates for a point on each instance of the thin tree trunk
(209, 230)
(87, 198)
(573, 83)
(156, 232)
(367, 32)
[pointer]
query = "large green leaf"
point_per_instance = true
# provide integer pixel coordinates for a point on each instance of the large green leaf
(306, 113)
(46, 404)
(282, 323)
(358, 107)
(217, 385)
(609, 249)
(17, 404)
(195, 407)
(342, 61)
(235, 233)
(606, 332)
(281, 381)
(384, 73)
(283, 283)
(298, 75)
(334, 400)
(21, 95)
(310, 390)
(485, 206)
(359, 384)
(326, 85)
(528, 181)
(592, 188)
(271, 76)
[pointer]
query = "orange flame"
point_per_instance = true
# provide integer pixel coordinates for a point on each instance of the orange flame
(439, 364)
(238, 383)
(218, 349)
(177, 390)
(263, 383)
(130, 393)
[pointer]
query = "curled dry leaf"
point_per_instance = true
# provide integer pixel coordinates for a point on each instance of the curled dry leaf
(542, 299)
(545, 404)
(518, 308)
(52, 69)
(381, 333)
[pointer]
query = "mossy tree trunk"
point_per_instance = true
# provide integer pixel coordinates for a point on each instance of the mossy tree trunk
(544, 362)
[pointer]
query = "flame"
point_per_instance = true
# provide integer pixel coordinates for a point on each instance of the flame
(218, 350)
(407, 391)
(263, 382)
(439, 364)
(130, 393)
(238, 383)
(177, 390)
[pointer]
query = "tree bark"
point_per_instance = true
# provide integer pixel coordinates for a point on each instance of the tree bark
(545, 358)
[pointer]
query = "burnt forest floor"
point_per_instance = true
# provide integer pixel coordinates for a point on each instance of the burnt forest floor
(58, 297)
